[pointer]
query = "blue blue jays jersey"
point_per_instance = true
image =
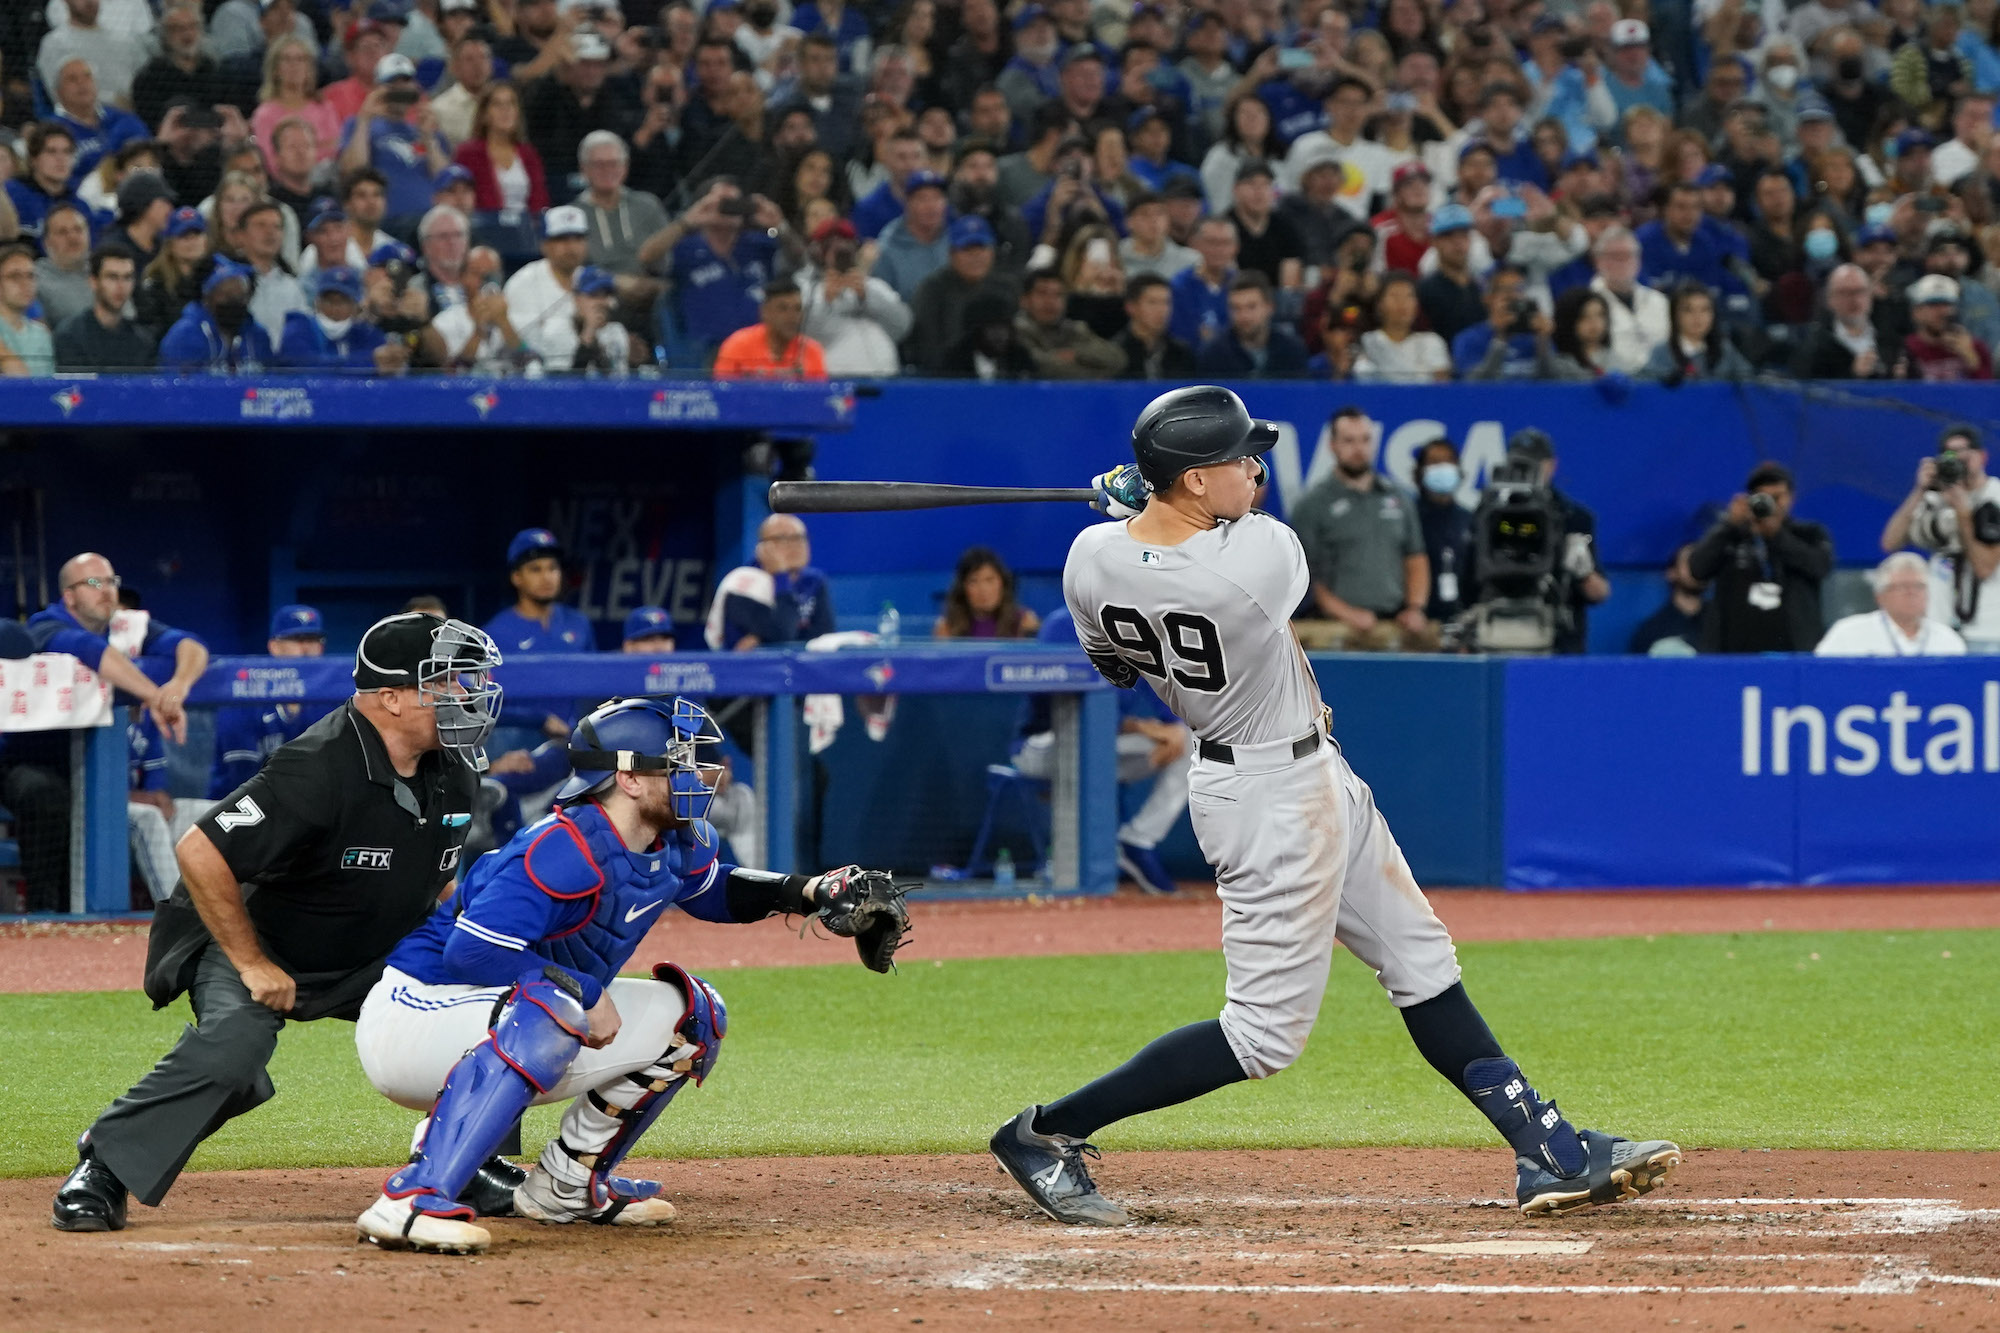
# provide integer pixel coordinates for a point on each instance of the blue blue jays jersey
(248, 734)
(565, 890)
(569, 631)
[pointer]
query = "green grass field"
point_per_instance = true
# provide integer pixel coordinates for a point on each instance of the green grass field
(1849, 1040)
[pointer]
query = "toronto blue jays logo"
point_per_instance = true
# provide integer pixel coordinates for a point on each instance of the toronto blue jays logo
(484, 401)
(881, 674)
(67, 399)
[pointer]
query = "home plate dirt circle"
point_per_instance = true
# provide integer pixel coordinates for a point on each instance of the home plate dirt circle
(1360, 1238)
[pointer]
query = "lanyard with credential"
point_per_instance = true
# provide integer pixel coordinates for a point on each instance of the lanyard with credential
(1896, 640)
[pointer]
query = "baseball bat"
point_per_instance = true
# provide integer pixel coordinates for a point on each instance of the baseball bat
(846, 497)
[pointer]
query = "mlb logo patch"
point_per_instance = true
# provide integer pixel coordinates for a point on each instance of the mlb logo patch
(450, 859)
(1151, 558)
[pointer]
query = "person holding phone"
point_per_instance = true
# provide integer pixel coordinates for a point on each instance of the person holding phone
(1939, 347)
(396, 133)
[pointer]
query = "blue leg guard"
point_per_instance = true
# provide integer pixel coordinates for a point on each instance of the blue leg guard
(601, 1127)
(532, 1041)
(1535, 1127)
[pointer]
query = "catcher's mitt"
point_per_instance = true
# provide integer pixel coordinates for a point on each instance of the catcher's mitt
(866, 906)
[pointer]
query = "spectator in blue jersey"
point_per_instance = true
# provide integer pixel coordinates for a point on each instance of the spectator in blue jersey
(1253, 347)
(1201, 293)
(35, 771)
(1152, 747)
(248, 734)
(1151, 136)
(1071, 198)
(1514, 341)
(334, 336)
(96, 128)
(393, 135)
(718, 265)
(846, 25)
(47, 154)
(1673, 248)
(1514, 156)
(902, 157)
(216, 335)
(537, 622)
(780, 599)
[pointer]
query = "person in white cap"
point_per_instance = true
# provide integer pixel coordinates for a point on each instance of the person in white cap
(541, 298)
(1634, 77)
(1939, 347)
(1897, 627)
(396, 132)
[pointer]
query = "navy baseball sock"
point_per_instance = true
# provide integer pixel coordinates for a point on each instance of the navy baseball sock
(1459, 1045)
(1178, 1067)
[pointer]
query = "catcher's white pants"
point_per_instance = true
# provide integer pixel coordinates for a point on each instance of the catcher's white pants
(1302, 859)
(411, 1033)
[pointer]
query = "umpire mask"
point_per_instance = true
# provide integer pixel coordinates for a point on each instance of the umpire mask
(457, 681)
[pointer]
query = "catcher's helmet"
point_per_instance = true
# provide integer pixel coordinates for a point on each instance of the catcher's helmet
(645, 735)
(1194, 427)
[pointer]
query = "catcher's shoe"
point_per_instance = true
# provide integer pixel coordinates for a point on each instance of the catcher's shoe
(1050, 1168)
(91, 1199)
(399, 1224)
(490, 1192)
(633, 1203)
(1614, 1170)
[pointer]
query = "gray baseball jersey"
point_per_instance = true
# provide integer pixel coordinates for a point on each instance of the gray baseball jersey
(1207, 622)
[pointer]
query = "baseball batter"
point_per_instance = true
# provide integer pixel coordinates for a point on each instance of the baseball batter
(1194, 591)
(509, 995)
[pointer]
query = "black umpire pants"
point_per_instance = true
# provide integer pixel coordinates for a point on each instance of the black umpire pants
(214, 1073)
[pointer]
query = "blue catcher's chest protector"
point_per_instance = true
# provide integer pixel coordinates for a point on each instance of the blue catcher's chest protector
(610, 895)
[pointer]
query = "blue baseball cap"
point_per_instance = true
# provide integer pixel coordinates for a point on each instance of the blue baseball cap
(324, 211)
(1028, 14)
(1581, 157)
(969, 231)
(1873, 234)
(185, 220)
(532, 544)
(455, 174)
(646, 621)
(225, 270)
(922, 180)
(340, 278)
(1912, 139)
(1451, 218)
(389, 252)
(1714, 174)
(297, 622)
(591, 280)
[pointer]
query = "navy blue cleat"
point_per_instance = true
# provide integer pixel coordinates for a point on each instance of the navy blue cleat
(1614, 1170)
(1142, 866)
(1050, 1168)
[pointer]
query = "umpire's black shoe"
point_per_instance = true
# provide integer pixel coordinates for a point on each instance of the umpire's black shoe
(1050, 1168)
(490, 1192)
(92, 1199)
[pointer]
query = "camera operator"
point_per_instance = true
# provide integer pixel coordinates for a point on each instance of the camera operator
(1767, 568)
(1953, 512)
(1579, 581)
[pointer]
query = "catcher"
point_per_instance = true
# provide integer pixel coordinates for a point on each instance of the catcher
(509, 995)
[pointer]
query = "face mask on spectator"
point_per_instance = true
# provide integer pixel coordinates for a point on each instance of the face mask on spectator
(1782, 77)
(1849, 69)
(1821, 244)
(1878, 214)
(1441, 478)
(335, 329)
(230, 314)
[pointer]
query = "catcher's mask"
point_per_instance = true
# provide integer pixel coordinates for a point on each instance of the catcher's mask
(648, 734)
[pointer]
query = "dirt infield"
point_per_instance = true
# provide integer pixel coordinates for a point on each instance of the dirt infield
(53, 957)
(1349, 1239)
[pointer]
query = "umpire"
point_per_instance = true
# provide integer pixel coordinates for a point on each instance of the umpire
(293, 890)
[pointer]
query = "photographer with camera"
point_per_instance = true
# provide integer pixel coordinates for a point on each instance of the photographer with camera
(1534, 571)
(1515, 341)
(1953, 512)
(1767, 568)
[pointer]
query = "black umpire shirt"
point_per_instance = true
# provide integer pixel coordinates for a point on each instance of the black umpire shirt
(339, 858)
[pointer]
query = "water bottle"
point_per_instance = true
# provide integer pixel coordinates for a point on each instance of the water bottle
(1003, 869)
(889, 629)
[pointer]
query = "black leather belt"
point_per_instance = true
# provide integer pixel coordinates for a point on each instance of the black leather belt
(1219, 753)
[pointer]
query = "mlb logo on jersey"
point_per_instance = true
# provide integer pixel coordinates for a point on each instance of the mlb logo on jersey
(365, 858)
(1150, 557)
(449, 861)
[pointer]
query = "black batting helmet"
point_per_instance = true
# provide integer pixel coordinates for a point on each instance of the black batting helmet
(1194, 427)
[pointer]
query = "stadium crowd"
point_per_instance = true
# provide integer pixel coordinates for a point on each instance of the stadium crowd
(1374, 190)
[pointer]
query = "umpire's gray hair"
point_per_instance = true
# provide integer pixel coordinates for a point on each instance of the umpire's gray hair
(442, 213)
(1878, 577)
(602, 139)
